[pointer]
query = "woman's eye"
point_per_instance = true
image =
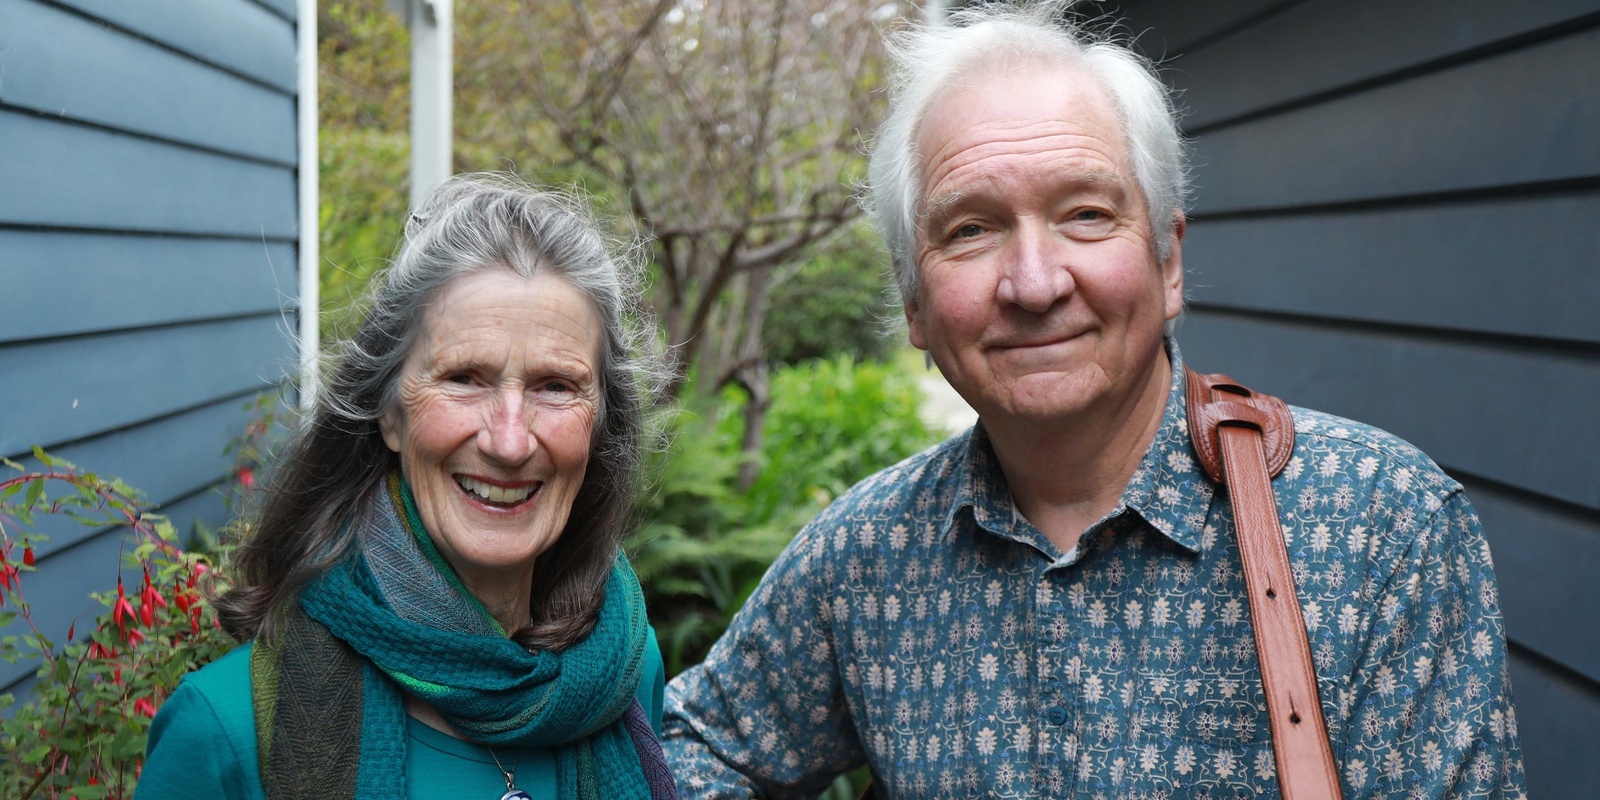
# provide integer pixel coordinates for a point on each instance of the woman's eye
(557, 386)
(1089, 215)
(460, 378)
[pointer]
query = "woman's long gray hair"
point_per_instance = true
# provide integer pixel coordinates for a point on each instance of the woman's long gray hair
(338, 458)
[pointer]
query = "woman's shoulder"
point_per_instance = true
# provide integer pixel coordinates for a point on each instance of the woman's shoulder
(224, 685)
(203, 740)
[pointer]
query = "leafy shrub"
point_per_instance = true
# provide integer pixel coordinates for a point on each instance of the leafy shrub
(834, 304)
(703, 545)
(83, 732)
(365, 184)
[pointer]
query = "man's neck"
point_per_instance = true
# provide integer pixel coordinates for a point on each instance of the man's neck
(1065, 477)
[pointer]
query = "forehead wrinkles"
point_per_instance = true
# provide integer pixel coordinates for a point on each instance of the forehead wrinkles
(991, 143)
(1069, 159)
(1027, 108)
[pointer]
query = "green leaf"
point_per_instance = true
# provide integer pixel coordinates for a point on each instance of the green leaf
(35, 492)
(88, 792)
(36, 755)
(44, 458)
(12, 464)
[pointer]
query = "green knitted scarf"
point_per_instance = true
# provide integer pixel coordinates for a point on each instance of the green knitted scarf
(393, 618)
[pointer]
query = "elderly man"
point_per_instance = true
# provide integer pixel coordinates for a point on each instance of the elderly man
(1052, 605)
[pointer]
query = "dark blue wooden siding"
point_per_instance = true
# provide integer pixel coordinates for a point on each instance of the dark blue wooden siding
(1394, 220)
(148, 253)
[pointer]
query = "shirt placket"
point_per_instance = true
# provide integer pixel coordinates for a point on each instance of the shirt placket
(1061, 702)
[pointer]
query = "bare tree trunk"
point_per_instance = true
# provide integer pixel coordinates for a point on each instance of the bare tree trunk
(751, 373)
(755, 382)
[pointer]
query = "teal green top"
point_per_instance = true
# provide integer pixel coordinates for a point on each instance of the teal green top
(203, 744)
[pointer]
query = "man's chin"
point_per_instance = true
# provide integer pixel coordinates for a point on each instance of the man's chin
(1043, 398)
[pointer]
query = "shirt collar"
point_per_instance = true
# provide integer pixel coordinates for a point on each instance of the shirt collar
(1168, 489)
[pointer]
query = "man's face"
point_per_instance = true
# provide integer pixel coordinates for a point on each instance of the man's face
(1041, 297)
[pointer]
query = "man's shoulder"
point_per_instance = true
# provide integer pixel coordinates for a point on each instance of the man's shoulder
(1328, 445)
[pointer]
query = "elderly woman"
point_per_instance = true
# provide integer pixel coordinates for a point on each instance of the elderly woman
(435, 599)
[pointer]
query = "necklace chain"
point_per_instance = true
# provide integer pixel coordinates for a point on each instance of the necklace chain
(510, 775)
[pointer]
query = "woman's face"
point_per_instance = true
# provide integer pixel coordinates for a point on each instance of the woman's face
(497, 401)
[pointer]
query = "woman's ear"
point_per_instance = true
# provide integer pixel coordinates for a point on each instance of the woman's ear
(390, 425)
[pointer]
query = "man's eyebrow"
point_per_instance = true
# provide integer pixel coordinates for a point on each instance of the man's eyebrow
(1110, 182)
(936, 209)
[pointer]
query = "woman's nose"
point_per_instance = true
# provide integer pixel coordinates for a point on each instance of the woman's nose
(507, 435)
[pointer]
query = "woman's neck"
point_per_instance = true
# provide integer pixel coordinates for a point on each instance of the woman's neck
(505, 597)
(430, 716)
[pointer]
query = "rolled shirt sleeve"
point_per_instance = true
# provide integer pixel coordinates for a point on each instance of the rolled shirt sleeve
(765, 715)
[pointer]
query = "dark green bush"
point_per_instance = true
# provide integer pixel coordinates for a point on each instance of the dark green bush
(365, 185)
(835, 304)
(703, 545)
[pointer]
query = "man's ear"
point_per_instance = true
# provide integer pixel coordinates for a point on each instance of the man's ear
(914, 326)
(1172, 269)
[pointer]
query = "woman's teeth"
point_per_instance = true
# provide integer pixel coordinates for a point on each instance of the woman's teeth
(496, 494)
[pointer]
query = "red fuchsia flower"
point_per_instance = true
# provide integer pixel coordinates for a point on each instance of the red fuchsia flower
(122, 612)
(144, 706)
(247, 478)
(149, 600)
(27, 555)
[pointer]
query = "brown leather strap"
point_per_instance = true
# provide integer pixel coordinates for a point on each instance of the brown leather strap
(1243, 439)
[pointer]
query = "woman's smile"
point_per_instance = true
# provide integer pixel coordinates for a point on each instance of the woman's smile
(496, 494)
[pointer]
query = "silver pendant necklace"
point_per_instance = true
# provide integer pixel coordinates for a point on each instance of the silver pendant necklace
(512, 792)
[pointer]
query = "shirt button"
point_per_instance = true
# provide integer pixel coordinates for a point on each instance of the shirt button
(1057, 715)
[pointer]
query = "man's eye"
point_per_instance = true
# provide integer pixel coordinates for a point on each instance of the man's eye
(967, 231)
(1089, 215)
(557, 386)
(461, 378)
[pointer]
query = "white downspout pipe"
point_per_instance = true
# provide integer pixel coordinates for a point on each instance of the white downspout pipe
(310, 257)
(432, 75)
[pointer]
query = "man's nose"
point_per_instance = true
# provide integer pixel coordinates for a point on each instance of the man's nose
(1035, 275)
(507, 434)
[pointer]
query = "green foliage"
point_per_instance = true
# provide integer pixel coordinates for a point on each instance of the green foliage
(83, 732)
(364, 196)
(704, 545)
(837, 303)
(364, 104)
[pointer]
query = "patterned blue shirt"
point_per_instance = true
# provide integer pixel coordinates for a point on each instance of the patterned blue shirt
(922, 625)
